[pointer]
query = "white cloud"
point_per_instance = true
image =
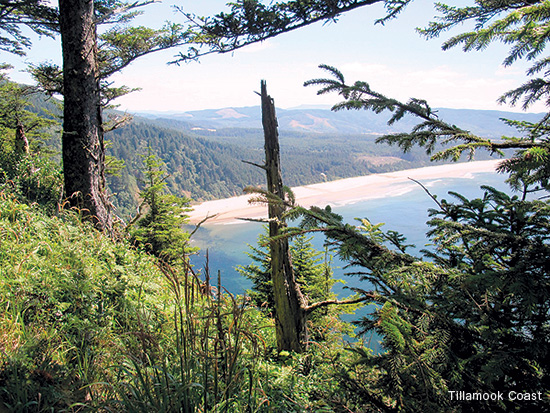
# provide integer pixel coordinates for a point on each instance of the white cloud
(361, 70)
(224, 81)
(509, 71)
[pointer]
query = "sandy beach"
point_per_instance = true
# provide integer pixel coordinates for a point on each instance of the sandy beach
(340, 192)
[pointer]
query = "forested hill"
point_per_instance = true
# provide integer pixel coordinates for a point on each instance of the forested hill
(198, 168)
(204, 150)
(209, 167)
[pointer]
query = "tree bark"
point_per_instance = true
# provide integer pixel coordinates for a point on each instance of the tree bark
(290, 314)
(83, 150)
(21, 141)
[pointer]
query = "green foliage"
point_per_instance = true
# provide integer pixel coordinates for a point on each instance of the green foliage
(72, 302)
(91, 324)
(118, 47)
(314, 276)
(523, 28)
(251, 21)
(312, 271)
(473, 318)
(16, 109)
(160, 229)
(466, 320)
(25, 171)
(259, 272)
(33, 179)
(36, 15)
(207, 358)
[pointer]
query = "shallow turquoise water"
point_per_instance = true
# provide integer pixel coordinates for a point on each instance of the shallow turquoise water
(405, 211)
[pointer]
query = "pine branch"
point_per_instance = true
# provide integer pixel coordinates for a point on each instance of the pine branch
(364, 251)
(531, 92)
(119, 47)
(520, 24)
(251, 21)
(431, 131)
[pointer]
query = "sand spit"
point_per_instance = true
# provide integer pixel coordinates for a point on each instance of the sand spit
(340, 192)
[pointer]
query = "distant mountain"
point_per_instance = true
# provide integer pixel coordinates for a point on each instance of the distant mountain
(486, 123)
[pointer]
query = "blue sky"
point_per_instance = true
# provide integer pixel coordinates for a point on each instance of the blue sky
(393, 58)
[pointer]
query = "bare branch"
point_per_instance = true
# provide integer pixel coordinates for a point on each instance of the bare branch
(326, 303)
(255, 164)
(202, 222)
(428, 192)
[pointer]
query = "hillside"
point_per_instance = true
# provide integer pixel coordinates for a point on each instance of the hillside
(210, 166)
(486, 123)
(204, 150)
(198, 168)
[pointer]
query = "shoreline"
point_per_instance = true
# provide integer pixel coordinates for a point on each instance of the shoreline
(339, 192)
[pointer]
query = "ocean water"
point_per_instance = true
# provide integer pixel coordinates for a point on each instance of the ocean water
(402, 208)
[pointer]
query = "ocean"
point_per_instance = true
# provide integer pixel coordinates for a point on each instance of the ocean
(403, 208)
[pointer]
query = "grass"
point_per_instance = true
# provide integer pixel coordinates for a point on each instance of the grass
(92, 324)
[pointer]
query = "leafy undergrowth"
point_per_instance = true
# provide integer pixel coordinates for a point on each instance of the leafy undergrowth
(73, 303)
(92, 324)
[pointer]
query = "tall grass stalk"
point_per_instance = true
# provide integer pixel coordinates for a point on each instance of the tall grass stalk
(207, 360)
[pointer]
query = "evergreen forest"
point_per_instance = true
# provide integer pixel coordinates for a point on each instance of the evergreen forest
(102, 311)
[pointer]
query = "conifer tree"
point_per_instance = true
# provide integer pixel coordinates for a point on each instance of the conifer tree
(158, 228)
(36, 15)
(313, 275)
(312, 272)
(30, 174)
(259, 272)
(471, 313)
(88, 61)
(291, 308)
(16, 117)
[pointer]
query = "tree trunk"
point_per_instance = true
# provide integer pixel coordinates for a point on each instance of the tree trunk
(21, 141)
(83, 150)
(290, 314)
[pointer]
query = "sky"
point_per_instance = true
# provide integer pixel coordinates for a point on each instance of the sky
(392, 58)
